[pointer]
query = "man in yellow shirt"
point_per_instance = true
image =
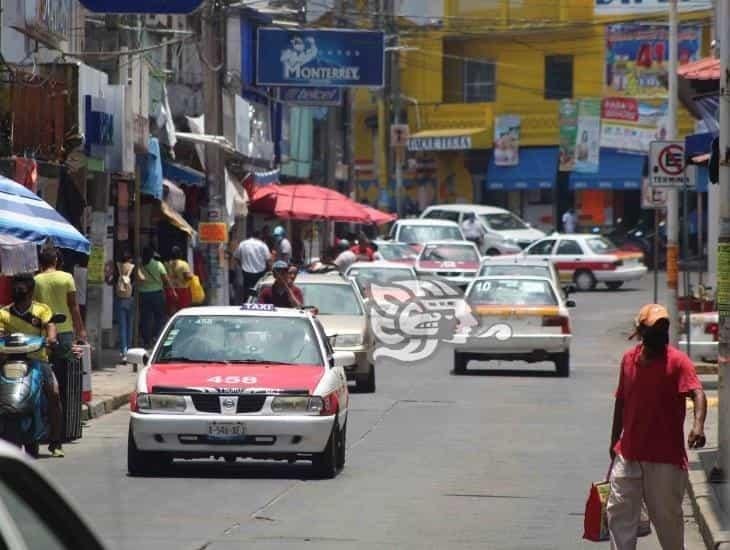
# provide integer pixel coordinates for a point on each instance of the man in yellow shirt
(34, 318)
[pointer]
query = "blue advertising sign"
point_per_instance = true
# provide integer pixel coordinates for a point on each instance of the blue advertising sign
(316, 58)
(141, 6)
(311, 96)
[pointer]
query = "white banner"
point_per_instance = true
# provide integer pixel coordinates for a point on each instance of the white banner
(631, 7)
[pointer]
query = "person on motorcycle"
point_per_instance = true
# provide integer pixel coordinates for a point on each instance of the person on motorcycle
(34, 318)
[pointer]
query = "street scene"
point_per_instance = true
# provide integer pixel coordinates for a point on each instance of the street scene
(364, 274)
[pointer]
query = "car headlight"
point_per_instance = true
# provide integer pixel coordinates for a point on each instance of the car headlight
(348, 340)
(295, 405)
(153, 401)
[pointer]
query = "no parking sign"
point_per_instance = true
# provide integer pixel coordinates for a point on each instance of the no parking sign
(667, 164)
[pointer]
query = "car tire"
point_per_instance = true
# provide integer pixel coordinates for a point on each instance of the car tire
(584, 280)
(324, 464)
(562, 364)
(144, 463)
(493, 252)
(614, 285)
(460, 362)
(366, 383)
(342, 447)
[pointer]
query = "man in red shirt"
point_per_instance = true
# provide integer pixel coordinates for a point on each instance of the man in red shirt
(363, 251)
(647, 439)
(283, 293)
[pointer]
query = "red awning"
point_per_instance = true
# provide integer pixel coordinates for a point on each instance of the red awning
(305, 201)
(377, 217)
(704, 69)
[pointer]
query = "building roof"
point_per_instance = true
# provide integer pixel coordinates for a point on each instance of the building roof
(703, 69)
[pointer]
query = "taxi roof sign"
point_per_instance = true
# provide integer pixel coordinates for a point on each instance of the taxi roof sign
(258, 307)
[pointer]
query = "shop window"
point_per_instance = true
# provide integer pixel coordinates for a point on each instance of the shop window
(558, 76)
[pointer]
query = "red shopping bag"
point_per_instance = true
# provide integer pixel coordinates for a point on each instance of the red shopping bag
(171, 301)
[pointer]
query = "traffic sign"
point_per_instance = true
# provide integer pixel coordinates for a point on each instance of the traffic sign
(653, 198)
(667, 163)
(399, 134)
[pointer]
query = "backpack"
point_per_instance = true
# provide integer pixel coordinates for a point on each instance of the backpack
(124, 282)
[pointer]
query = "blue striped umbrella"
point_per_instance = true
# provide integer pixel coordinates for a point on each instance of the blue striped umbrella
(25, 215)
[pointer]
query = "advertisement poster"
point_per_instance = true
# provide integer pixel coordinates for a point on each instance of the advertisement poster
(632, 125)
(568, 116)
(634, 7)
(637, 57)
(588, 143)
(318, 58)
(507, 140)
(95, 272)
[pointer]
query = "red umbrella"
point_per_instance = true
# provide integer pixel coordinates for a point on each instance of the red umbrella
(378, 217)
(311, 202)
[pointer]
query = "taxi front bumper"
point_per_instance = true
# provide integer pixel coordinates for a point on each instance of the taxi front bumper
(273, 435)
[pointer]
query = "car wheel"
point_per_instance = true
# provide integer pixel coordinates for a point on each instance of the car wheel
(342, 447)
(142, 463)
(493, 252)
(614, 285)
(562, 364)
(366, 383)
(325, 463)
(460, 362)
(584, 280)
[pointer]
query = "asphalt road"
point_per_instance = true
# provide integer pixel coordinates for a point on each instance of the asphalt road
(488, 460)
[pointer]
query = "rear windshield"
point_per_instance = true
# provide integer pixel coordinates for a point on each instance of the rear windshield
(516, 269)
(441, 253)
(512, 292)
(424, 233)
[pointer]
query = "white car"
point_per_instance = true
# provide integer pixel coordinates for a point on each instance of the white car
(520, 319)
(505, 232)
(704, 336)
(252, 381)
(588, 260)
(455, 262)
(522, 266)
(381, 273)
(416, 232)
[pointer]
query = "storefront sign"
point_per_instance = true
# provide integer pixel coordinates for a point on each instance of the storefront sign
(213, 232)
(447, 143)
(507, 140)
(340, 58)
(141, 6)
(620, 108)
(588, 144)
(637, 57)
(618, 132)
(633, 7)
(331, 97)
(568, 116)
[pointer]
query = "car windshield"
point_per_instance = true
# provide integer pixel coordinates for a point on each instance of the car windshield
(233, 339)
(503, 221)
(364, 277)
(331, 299)
(601, 245)
(512, 292)
(396, 251)
(450, 253)
(515, 269)
(425, 233)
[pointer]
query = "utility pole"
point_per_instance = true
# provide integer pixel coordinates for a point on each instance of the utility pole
(723, 248)
(393, 96)
(212, 64)
(673, 194)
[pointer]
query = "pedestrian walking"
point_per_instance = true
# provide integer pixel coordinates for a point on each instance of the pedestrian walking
(180, 275)
(346, 256)
(473, 229)
(122, 281)
(282, 246)
(253, 257)
(569, 221)
(152, 277)
(647, 439)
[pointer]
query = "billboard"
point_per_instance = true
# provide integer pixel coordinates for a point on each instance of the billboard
(637, 57)
(632, 7)
(141, 6)
(507, 140)
(311, 96)
(632, 125)
(316, 58)
(588, 136)
(568, 117)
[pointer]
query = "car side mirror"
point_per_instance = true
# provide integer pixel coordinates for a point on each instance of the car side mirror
(570, 303)
(138, 357)
(343, 358)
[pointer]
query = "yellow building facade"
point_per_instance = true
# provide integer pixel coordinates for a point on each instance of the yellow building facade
(487, 60)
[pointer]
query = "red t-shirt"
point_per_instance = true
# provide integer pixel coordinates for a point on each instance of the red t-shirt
(654, 404)
(279, 297)
(367, 256)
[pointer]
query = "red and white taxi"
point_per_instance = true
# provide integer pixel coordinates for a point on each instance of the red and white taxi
(588, 260)
(704, 336)
(455, 262)
(228, 382)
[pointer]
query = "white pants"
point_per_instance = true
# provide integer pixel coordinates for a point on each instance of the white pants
(661, 487)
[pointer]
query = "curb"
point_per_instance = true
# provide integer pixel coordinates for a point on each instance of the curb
(706, 368)
(707, 509)
(99, 407)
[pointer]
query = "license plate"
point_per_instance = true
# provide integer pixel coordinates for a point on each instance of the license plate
(227, 430)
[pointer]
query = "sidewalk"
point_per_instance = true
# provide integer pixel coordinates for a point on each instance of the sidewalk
(111, 386)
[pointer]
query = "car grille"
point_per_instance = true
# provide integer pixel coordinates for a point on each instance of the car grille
(250, 403)
(208, 403)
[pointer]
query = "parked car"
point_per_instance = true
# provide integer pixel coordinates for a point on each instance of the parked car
(506, 233)
(704, 336)
(416, 232)
(494, 266)
(588, 259)
(366, 274)
(393, 251)
(455, 262)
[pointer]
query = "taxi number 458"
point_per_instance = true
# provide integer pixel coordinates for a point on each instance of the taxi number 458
(248, 380)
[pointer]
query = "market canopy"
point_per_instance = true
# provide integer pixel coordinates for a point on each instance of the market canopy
(536, 169)
(24, 215)
(313, 203)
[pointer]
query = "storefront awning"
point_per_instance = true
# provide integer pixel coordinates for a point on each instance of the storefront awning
(537, 169)
(176, 219)
(616, 171)
(445, 139)
(183, 175)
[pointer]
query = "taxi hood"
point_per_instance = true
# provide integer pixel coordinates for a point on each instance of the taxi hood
(238, 377)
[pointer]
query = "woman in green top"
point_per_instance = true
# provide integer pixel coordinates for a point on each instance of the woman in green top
(152, 282)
